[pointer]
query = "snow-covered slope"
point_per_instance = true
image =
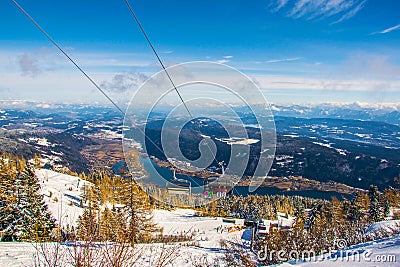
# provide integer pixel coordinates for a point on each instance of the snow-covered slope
(207, 237)
(62, 193)
(206, 251)
(383, 226)
(384, 252)
(204, 228)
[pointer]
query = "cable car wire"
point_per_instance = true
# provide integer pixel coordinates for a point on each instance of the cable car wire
(78, 67)
(66, 54)
(94, 83)
(166, 71)
(157, 56)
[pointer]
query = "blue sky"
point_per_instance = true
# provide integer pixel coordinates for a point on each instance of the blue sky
(296, 50)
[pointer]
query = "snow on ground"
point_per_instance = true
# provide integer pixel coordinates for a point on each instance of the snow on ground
(384, 252)
(205, 229)
(238, 141)
(384, 225)
(13, 254)
(205, 249)
(62, 193)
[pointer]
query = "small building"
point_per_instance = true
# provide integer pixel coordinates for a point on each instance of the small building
(284, 222)
(235, 221)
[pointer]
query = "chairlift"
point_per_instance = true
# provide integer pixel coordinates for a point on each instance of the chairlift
(179, 186)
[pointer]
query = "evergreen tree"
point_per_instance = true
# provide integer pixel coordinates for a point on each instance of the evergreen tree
(129, 220)
(88, 225)
(136, 202)
(354, 211)
(23, 214)
(375, 213)
(106, 226)
(136, 207)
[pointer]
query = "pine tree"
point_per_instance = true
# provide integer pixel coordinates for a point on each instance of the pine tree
(392, 196)
(88, 226)
(129, 220)
(136, 203)
(136, 207)
(375, 213)
(7, 215)
(355, 211)
(24, 216)
(106, 227)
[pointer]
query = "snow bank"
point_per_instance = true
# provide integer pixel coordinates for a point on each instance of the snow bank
(206, 252)
(205, 228)
(384, 225)
(384, 252)
(62, 193)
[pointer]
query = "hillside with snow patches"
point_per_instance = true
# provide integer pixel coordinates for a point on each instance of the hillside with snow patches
(208, 247)
(63, 194)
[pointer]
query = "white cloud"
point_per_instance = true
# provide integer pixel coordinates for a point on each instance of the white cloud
(124, 81)
(280, 4)
(29, 65)
(35, 62)
(39, 61)
(351, 13)
(45, 74)
(318, 9)
(369, 66)
(305, 83)
(225, 59)
(222, 61)
(283, 60)
(394, 28)
(391, 29)
(359, 72)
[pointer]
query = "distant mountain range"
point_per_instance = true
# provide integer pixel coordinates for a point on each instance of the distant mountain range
(354, 144)
(352, 152)
(389, 113)
(385, 112)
